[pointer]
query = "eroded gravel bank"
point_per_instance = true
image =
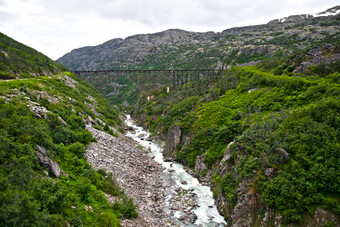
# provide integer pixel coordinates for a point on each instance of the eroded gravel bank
(137, 173)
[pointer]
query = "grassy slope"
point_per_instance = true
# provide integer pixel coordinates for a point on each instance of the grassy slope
(18, 60)
(285, 113)
(28, 196)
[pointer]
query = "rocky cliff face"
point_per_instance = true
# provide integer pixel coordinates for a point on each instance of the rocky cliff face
(129, 52)
(307, 17)
(173, 139)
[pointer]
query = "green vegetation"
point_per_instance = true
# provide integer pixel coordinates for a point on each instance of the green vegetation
(49, 112)
(288, 123)
(28, 196)
(125, 91)
(274, 125)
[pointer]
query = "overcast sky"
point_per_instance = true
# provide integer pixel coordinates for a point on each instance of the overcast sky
(55, 27)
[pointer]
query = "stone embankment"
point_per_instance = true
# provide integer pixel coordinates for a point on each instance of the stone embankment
(136, 173)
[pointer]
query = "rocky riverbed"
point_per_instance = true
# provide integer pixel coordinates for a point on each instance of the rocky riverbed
(188, 203)
(182, 204)
(137, 173)
(164, 193)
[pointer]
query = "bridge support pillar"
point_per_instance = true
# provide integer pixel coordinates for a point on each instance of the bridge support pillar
(178, 77)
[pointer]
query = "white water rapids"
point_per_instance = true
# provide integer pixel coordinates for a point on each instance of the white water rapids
(205, 209)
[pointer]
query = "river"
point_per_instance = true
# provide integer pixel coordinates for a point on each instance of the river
(188, 203)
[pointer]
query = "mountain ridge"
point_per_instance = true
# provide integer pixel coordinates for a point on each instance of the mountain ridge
(329, 12)
(334, 11)
(161, 49)
(302, 17)
(180, 49)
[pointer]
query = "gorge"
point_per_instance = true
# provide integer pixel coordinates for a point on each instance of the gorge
(185, 196)
(256, 144)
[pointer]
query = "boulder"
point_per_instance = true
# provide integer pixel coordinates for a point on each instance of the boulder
(62, 121)
(321, 217)
(270, 173)
(48, 163)
(39, 111)
(184, 182)
(129, 128)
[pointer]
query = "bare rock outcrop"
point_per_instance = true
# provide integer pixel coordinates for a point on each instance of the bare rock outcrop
(200, 166)
(49, 165)
(321, 217)
(244, 213)
(325, 55)
(246, 205)
(173, 139)
(39, 111)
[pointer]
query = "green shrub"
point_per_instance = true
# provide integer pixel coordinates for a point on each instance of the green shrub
(76, 122)
(78, 149)
(126, 208)
(85, 137)
(285, 187)
(228, 186)
(64, 135)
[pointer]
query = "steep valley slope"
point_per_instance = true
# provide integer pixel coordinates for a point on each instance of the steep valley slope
(265, 132)
(267, 143)
(64, 160)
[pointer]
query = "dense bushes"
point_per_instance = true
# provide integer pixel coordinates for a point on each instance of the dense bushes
(287, 124)
(228, 186)
(29, 197)
(292, 195)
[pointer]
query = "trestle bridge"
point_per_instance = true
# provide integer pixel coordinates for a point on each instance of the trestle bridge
(144, 79)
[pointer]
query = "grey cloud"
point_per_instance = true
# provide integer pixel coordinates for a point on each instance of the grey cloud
(69, 21)
(175, 12)
(6, 17)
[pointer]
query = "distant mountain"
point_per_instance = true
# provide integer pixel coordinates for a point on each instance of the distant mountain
(179, 49)
(176, 48)
(330, 12)
(158, 50)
